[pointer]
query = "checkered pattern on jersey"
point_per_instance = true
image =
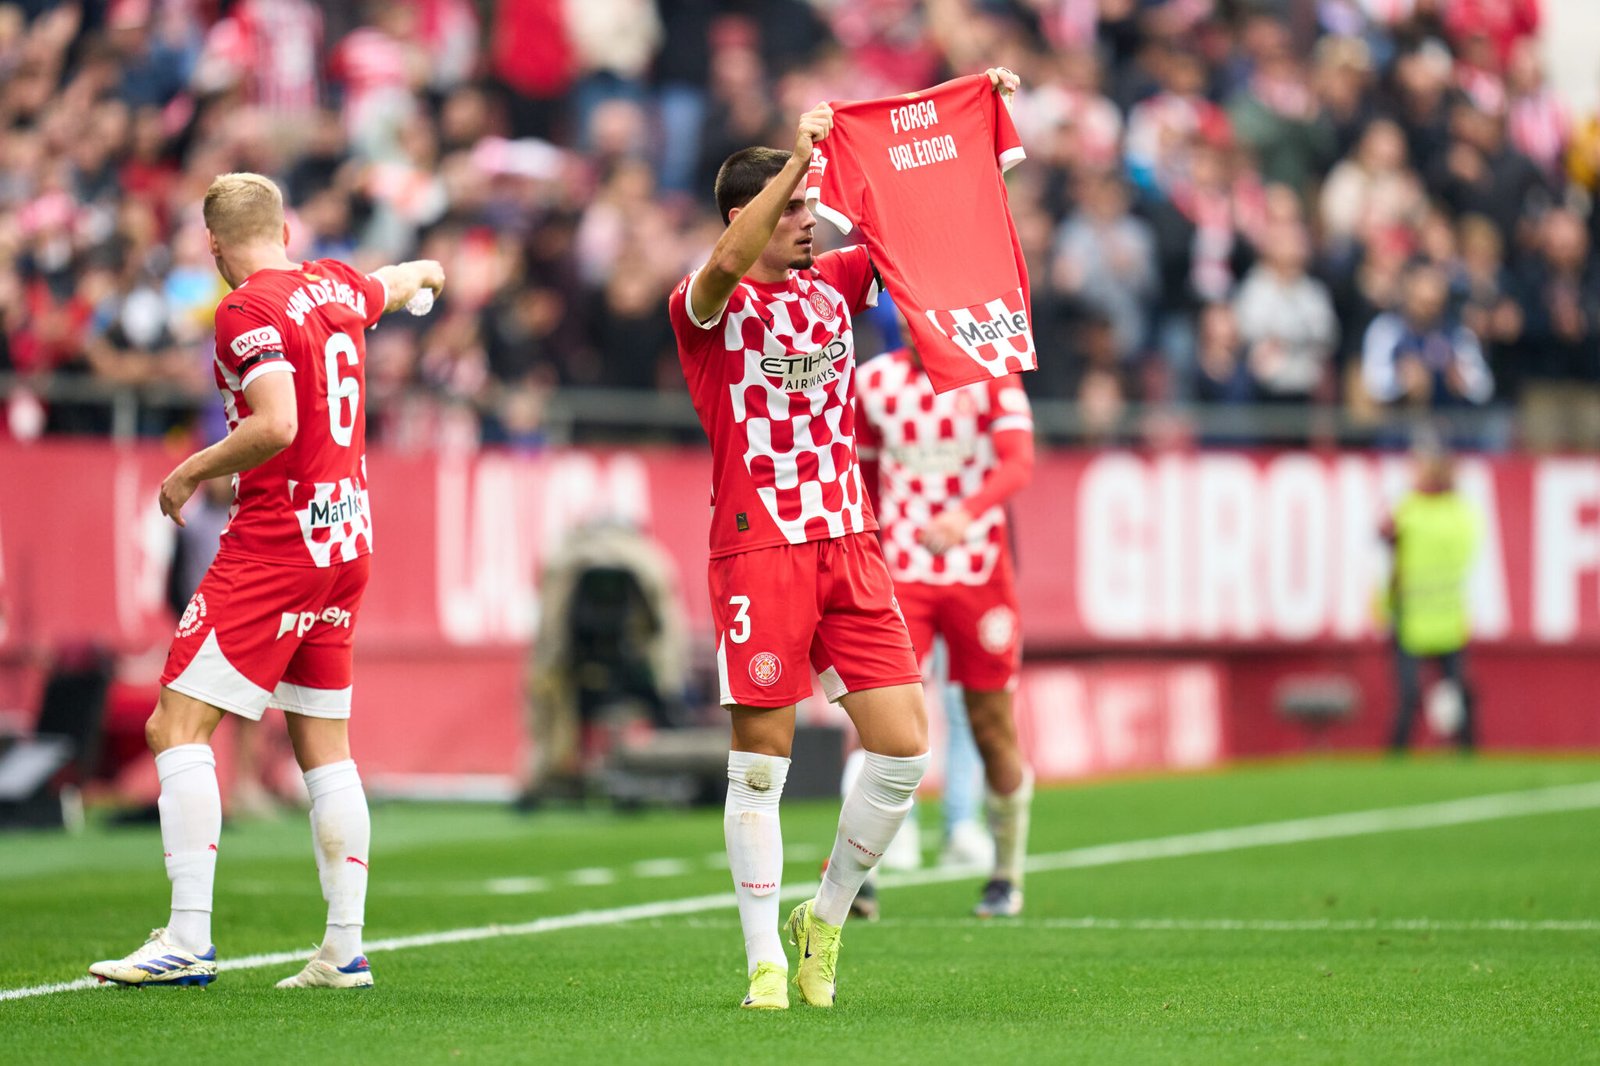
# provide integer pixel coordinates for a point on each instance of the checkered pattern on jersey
(334, 518)
(935, 450)
(798, 422)
(988, 332)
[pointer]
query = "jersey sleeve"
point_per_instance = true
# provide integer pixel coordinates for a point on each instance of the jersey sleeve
(850, 271)
(1007, 145)
(1008, 405)
(377, 295)
(692, 334)
(827, 192)
(249, 343)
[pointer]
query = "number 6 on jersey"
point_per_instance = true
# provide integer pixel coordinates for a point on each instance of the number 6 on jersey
(344, 393)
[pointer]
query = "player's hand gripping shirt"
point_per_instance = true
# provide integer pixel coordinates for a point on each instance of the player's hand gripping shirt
(920, 175)
(307, 505)
(939, 450)
(771, 377)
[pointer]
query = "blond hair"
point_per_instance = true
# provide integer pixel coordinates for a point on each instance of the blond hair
(243, 208)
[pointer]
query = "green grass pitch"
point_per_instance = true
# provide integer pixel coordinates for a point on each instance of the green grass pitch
(1449, 934)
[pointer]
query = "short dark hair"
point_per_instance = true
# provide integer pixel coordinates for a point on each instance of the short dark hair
(744, 174)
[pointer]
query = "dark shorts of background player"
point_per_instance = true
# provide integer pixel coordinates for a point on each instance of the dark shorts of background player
(827, 605)
(979, 624)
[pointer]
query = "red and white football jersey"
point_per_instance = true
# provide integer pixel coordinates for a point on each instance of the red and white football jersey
(920, 174)
(936, 450)
(771, 377)
(307, 505)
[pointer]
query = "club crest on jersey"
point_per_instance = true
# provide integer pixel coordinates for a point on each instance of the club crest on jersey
(997, 630)
(801, 373)
(194, 616)
(822, 306)
(765, 669)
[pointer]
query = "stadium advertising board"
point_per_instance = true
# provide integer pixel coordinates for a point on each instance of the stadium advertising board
(1116, 549)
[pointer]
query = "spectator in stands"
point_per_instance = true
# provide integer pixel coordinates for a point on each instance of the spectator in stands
(1559, 368)
(1286, 320)
(1223, 359)
(1105, 259)
(1372, 190)
(1278, 116)
(1486, 291)
(1478, 174)
(1538, 122)
(1419, 356)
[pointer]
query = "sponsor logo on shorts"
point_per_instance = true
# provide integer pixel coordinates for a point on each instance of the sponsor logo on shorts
(300, 622)
(822, 306)
(765, 669)
(997, 630)
(194, 616)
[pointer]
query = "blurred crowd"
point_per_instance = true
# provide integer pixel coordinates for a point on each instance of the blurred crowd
(1345, 206)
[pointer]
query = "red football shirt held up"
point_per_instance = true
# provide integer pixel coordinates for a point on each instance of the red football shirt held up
(921, 175)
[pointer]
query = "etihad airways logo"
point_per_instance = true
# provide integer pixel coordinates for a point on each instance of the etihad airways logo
(804, 372)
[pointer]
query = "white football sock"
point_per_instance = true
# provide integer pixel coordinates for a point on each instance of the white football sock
(341, 836)
(905, 850)
(754, 837)
(191, 822)
(1008, 821)
(872, 814)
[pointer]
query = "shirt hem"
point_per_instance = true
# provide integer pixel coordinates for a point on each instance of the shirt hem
(784, 542)
(246, 555)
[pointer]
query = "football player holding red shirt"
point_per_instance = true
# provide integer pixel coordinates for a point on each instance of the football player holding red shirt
(797, 579)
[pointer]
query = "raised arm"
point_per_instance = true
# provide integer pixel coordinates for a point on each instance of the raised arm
(404, 280)
(750, 227)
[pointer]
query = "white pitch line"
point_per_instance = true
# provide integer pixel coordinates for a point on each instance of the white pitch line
(516, 886)
(1269, 925)
(661, 868)
(1222, 925)
(1294, 831)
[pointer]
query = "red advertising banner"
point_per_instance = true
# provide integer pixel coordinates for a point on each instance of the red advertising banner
(1137, 555)
(1116, 549)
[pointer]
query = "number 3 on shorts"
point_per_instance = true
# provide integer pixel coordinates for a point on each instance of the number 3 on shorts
(741, 619)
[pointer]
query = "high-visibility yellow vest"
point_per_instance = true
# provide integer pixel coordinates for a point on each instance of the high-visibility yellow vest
(1436, 541)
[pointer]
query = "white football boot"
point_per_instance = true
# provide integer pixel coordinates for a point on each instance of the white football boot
(159, 962)
(320, 973)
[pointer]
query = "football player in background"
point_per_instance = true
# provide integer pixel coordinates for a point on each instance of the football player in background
(940, 468)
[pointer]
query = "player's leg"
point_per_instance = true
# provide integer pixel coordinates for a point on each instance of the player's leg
(190, 804)
(1453, 666)
(222, 660)
(872, 671)
(764, 608)
(315, 696)
(980, 627)
(1408, 686)
(966, 842)
(1009, 799)
(758, 766)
